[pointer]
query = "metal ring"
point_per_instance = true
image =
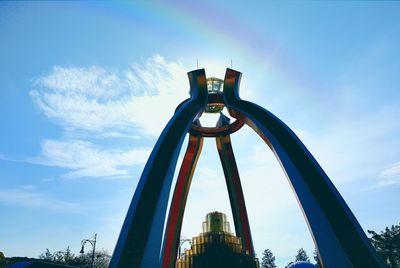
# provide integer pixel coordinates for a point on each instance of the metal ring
(217, 131)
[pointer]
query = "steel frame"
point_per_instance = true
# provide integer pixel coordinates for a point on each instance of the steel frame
(336, 232)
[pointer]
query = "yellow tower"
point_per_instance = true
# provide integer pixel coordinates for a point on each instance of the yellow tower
(216, 246)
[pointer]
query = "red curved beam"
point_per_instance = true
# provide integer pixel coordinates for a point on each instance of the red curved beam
(235, 192)
(177, 209)
(219, 130)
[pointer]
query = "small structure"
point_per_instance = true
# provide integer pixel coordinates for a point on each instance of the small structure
(216, 247)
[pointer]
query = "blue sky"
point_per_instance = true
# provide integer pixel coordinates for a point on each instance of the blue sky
(86, 88)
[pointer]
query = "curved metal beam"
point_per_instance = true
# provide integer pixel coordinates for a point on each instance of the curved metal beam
(217, 131)
(139, 242)
(238, 206)
(336, 232)
(178, 203)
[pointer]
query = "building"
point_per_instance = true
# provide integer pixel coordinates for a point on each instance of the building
(216, 246)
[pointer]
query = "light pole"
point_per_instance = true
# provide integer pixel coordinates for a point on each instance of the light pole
(181, 241)
(93, 243)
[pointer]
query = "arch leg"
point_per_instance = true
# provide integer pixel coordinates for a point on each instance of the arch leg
(235, 192)
(139, 243)
(336, 232)
(178, 203)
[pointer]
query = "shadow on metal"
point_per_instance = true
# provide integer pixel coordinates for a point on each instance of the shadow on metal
(337, 234)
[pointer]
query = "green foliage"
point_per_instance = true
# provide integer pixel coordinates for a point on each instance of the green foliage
(3, 260)
(317, 259)
(387, 244)
(268, 259)
(101, 258)
(302, 255)
(47, 256)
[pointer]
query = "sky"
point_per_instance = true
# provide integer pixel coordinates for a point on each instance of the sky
(87, 87)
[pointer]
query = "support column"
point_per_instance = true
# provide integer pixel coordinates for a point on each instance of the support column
(177, 209)
(235, 192)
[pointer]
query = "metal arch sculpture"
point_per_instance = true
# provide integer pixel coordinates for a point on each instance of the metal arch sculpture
(337, 234)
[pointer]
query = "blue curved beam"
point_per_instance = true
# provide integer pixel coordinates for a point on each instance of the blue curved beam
(139, 243)
(340, 239)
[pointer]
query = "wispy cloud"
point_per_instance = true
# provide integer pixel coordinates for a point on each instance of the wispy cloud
(29, 187)
(94, 99)
(390, 176)
(93, 102)
(85, 159)
(29, 198)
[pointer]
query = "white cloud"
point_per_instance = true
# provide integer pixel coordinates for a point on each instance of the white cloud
(29, 187)
(85, 159)
(93, 99)
(390, 176)
(92, 82)
(29, 198)
(93, 102)
(112, 134)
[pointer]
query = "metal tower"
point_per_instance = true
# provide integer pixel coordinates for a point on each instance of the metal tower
(340, 239)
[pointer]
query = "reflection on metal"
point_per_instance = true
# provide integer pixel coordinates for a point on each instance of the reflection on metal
(179, 198)
(340, 240)
(216, 239)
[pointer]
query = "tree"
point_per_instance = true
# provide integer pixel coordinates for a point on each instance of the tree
(3, 260)
(302, 255)
(268, 259)
(68, 256)
(47, 256)
(59, 257)
(387, 244)
(316, 257)
(101, 258)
